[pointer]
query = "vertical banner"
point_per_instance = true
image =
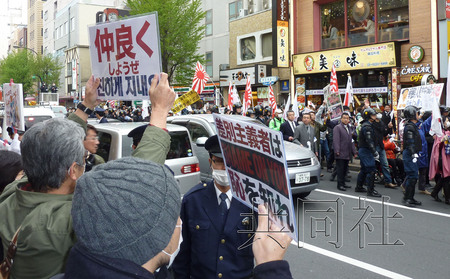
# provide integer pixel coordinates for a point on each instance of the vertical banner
(74, 75)
(280, 20)
(125, 55)
(394, 90)
(13, 98)
(255, 161)
(300, 90)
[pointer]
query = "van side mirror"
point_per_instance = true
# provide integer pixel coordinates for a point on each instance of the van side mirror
(201, 141)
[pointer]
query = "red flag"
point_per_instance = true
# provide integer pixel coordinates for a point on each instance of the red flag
(112, 104)
(333, 81)
(230, 97)
(348, 93)
(247, 96)
(273, 103)
(200, 78)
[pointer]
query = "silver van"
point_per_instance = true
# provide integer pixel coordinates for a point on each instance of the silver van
(181, 159)
(303, 166)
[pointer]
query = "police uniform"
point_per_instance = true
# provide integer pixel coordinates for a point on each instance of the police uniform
(412, 145)
(211, 249)
(367, 154)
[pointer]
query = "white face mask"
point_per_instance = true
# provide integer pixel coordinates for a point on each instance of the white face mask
(175, 253)
(221, 177)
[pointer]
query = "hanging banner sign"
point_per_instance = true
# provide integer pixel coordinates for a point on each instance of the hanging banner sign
(125, 55)
(255, 161)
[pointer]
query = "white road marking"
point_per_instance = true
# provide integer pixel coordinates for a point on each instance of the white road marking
(387, 203)
(348, 260)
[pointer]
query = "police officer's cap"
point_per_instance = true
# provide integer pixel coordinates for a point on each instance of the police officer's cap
(137, 134)
(213, 146)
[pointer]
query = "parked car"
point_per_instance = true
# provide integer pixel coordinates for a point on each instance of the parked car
(60, 111)
(181, 159)
(303, 166)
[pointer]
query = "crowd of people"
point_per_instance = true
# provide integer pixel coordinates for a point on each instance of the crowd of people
(122, 219)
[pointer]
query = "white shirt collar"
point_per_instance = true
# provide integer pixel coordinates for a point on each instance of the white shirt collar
(228, 193)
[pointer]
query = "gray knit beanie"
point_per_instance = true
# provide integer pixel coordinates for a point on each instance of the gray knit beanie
(126, 209)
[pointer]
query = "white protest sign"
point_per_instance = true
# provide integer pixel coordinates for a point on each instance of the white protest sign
(13, 97)
(425, 96)
(255, 161)
(125, 55)
(334, 103)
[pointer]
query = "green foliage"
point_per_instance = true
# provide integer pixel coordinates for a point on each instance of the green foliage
(181, 27)
(17, 66)
(22, 65)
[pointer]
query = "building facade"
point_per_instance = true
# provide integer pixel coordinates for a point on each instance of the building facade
(383, 45)
(35, 26)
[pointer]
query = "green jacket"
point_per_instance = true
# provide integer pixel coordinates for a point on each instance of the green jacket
(275, 123)
(46, 235)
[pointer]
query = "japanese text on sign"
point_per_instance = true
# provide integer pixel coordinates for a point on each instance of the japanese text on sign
(125, 56)
(185, 100)
(256, 165)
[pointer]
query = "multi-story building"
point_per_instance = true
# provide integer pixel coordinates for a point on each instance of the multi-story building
(66, 37)
(18, 38)
(35, 28)
(383, 45)
(258, 48)
(15, 24)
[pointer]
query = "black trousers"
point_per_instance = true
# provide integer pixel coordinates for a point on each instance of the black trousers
(341, 170)
(397, 168)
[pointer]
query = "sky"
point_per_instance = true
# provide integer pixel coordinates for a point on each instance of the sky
(10, 14)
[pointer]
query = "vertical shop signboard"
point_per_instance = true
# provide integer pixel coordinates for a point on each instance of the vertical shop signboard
(281, 21)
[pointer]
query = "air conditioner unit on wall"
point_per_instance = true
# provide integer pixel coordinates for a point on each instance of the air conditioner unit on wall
(243, 12)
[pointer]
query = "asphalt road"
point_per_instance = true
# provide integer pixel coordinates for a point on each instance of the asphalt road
(345, 236)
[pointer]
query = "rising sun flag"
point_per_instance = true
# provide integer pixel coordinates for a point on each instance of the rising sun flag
(200, 78)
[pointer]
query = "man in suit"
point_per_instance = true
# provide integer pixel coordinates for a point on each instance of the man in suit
(388, 121)
(344, 149)
(100, 114)
(304, 133)
(288, 127)
(211, 217)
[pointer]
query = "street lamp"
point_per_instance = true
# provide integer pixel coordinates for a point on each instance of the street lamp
(41, 82)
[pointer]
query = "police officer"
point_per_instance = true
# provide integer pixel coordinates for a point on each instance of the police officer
(250, 113)
(367, 154)
(412, 145)
(260, 114)
(237, 108)
(212, 247)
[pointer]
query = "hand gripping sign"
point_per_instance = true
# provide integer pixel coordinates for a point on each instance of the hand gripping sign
(125, 55)
(255, 161)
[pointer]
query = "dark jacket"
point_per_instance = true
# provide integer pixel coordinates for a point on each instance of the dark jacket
(366, 137)
(207, 250)
(286, 130)
(411, 138)
(82, 264)
(380, 130)
(386, 118)
(271, 270)
(342, 142)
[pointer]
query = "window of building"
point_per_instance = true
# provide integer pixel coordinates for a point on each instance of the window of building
(45, 15)
(333, 24)
(208, 23)
(72, 23)
(393, 20)
(367, 22)
(234, 8)
(46, 33)
(66, 27)
(248, 48)
(42, 31)
(32, 35)
(209, 63)
(55, 33)
(32, 18)
(267, 45)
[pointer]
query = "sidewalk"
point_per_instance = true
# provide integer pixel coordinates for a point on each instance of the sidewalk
(352, 166)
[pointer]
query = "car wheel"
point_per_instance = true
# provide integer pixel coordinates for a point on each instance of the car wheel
(303, 195)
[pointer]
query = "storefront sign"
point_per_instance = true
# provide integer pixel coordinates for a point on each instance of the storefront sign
(280, 16)
(269, 80)
(447, 9)
(366, 90)
(356, 58)
(415, 54)
(237, 76)
(285, 86)
(394, 89)
(413, 70)
(263, 92)
(300, 90)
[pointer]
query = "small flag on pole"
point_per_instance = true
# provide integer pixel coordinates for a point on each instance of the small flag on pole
(200, 78)
(273, 103)
(348, 93)
(247, 96)
(230, 97)
(333, 80)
